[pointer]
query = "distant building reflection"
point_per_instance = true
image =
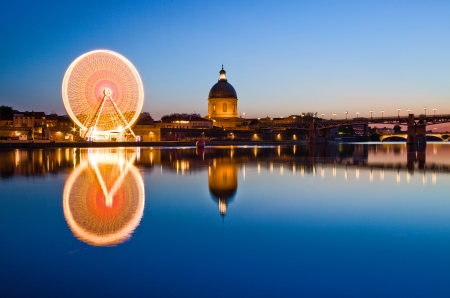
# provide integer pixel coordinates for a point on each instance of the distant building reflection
(103, 197)
(38, 162)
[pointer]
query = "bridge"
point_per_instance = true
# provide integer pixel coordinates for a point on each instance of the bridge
(416, 132)
(444, 137)
(324, 123)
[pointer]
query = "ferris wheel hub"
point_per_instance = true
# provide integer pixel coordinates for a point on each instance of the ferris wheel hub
(107, 92)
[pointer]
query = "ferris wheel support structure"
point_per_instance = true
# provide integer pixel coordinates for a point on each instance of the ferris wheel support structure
(96, 116)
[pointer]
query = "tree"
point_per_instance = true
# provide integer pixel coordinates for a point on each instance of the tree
(6, 112)
(346, 130)
(254, 122)
(374, 131)
(310, 114)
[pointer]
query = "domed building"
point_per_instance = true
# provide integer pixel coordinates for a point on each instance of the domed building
(223, 103)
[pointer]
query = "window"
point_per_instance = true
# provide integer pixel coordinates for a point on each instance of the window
(234, 108)
(224, 107)
(214, 108)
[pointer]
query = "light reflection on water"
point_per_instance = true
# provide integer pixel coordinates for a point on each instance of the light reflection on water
(103, 197)
(360, 210)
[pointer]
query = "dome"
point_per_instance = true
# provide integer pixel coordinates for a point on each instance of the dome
(222, 89)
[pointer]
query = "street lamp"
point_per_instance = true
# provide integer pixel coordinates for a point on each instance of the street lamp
(409, 111)
(322, 115)
(346, 112)
(303, 115)
(357, 114)
(382, 112)
(425, 109)
(398, 113)
(434, 110)
(371, 114)
(334, 115)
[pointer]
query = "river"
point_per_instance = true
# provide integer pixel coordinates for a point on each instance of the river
(346, 220)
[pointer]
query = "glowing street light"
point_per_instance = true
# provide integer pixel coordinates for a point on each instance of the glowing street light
(346, 112)
(425, 109)
(409, 111)
(371, 114)
(303, 115)
(357, 114)
(322, 115)
(434, 110)
(398, 113)
(382, 113)
(334, 115)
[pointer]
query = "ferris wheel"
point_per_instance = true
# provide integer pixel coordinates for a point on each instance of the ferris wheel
(103, 94)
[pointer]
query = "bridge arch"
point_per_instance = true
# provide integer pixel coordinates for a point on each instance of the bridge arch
(435, 137)
(393, 137)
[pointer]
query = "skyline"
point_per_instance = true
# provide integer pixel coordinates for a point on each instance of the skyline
(282, 59)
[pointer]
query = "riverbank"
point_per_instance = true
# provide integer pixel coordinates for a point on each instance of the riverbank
(36, 144)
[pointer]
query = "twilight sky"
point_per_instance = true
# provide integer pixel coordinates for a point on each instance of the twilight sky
(282, 57)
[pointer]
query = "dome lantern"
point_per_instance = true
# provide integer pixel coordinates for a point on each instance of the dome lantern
(223, 75)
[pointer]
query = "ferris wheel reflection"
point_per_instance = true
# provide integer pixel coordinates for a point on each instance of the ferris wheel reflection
(104, 197)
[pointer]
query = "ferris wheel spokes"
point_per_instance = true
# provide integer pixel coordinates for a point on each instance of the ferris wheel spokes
(97, 114)
(122, 117)
(109, 194)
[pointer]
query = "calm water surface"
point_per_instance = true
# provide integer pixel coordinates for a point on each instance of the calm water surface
(362, 220)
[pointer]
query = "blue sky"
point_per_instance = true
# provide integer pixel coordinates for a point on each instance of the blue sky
(282, 57)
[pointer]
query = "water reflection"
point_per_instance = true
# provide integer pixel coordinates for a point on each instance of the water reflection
(290, 215)
(223, 181)
(103, 198)
(104, 193)
(303, 159)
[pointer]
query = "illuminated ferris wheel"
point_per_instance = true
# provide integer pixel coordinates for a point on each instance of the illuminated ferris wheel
(103, 94)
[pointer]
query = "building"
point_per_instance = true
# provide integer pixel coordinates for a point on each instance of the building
(190, 121)
(7, 122)
(65, 121)
(29, 119)
(51, 120)
(223, 104)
